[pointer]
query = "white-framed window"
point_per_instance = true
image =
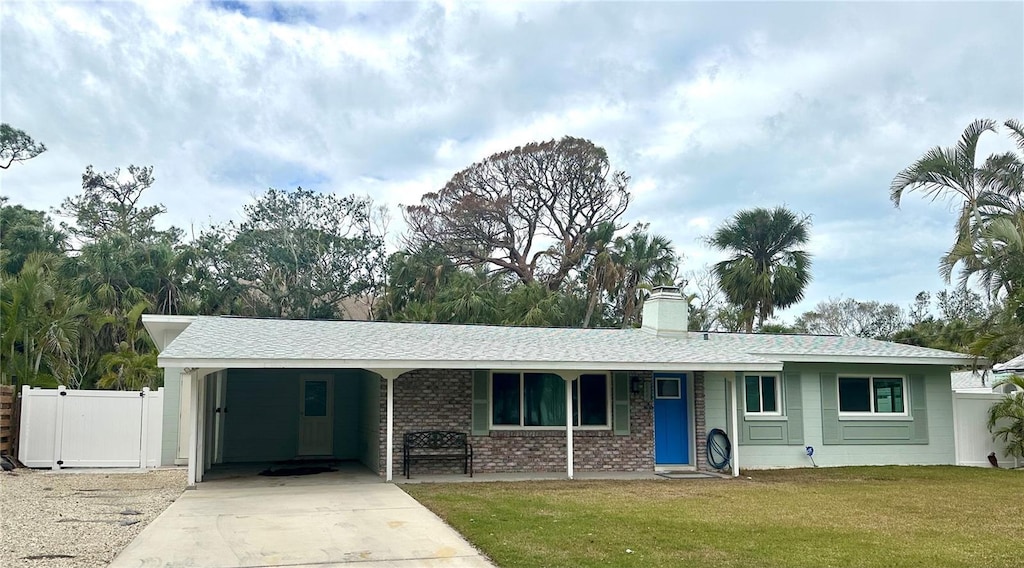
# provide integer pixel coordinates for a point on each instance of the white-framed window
(537, 401)
(668, 387)
(866, 395)
(762, 394)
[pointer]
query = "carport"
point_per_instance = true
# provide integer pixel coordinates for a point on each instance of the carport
(249, 414)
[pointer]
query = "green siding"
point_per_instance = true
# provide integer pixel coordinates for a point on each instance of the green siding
(262, 423)
(481, 407)
(902, 430)
(620, 406)
(788, 429)
(172, 405)
(830, 408)
(262, 420)
(347, 399)
(794, 402)
(919, 408)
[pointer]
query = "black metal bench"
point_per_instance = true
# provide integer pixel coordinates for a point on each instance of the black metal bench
(436, 445)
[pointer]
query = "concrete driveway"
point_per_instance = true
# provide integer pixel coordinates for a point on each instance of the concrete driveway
(328, 519)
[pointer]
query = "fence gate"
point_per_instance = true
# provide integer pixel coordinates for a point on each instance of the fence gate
(973, 440)
(90, 428)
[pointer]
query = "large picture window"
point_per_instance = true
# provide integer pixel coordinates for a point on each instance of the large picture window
(537, 400)
(762, 394)
(872, 395)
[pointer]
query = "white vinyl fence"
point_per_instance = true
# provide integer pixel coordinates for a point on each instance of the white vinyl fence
(973, 440)
(90, 428)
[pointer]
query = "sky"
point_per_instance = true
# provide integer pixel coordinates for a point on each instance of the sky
(709, 107)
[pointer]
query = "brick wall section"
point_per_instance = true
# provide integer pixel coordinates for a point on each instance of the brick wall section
(699, 422)
(435, 399)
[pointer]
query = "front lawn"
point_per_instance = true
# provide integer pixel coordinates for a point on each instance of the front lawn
(857, 516)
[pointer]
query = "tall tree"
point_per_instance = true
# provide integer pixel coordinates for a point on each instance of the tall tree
(647, 260)
(767, 270)
(603, 273)
(527, 211)
(847, 316)
(17, 146)
(297, 254)
(24, 231)
(942, 173)
(109, 204)
(989, 244)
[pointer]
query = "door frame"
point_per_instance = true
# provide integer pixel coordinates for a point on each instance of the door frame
(329, 378)
(691, 424)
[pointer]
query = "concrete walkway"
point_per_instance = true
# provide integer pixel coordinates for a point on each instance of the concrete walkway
(328, 519)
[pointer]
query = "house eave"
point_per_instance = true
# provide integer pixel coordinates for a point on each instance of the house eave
(165, 362)
(876, 359)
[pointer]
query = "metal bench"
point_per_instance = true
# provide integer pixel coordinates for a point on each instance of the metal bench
(436, 445)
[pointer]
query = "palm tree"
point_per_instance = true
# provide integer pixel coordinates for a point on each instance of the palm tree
(40, 324)
(645, 260)
(992, 194)
(1006, 417)
(941, 172)
(603, 273)
(767, 270)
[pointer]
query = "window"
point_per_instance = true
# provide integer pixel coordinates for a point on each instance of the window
(537, 400)
(762, 394)
(669, 387)
(872, 395)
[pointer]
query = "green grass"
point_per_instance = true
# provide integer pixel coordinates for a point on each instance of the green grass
(857, 516)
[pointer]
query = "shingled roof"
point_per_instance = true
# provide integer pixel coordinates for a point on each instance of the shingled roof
(218, 342)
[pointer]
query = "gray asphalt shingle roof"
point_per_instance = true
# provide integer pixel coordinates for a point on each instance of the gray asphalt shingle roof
(1013, 365)
(827, 345)
(211, 338)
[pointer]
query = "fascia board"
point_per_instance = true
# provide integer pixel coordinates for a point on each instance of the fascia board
(434, 364)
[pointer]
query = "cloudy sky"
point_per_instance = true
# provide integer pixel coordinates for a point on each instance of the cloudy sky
(710, 108)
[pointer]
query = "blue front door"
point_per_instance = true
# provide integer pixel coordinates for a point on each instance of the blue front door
(671, 420)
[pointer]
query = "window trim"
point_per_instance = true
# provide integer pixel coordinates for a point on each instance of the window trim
(873, 414)
(522, 394)
(679, 388)
(778, 413)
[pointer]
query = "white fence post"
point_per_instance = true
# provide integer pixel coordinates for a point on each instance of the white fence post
(144, 443)
(58, 428)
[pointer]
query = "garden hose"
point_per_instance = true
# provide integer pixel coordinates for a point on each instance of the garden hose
(719, 449)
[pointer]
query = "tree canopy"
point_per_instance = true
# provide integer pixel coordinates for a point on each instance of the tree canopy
(17, 146)
(526, 211)
(767, 270)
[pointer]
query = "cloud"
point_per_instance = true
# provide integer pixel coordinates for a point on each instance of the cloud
(709, 107)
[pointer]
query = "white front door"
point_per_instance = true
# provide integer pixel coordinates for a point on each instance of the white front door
(316, 415)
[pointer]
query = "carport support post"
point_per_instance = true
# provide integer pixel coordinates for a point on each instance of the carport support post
(193, 434)
(735, 427)
(568, 378)
(390, 375)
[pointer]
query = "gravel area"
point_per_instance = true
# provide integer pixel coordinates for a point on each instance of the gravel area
(56, 519)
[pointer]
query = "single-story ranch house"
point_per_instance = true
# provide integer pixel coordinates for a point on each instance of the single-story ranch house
(259, 390)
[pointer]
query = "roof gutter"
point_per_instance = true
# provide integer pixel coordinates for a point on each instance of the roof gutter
(877, 359)
(193, 363)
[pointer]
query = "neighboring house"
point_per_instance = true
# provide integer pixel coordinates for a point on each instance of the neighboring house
(642, 399)
(1013, 366)
(983, 381)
